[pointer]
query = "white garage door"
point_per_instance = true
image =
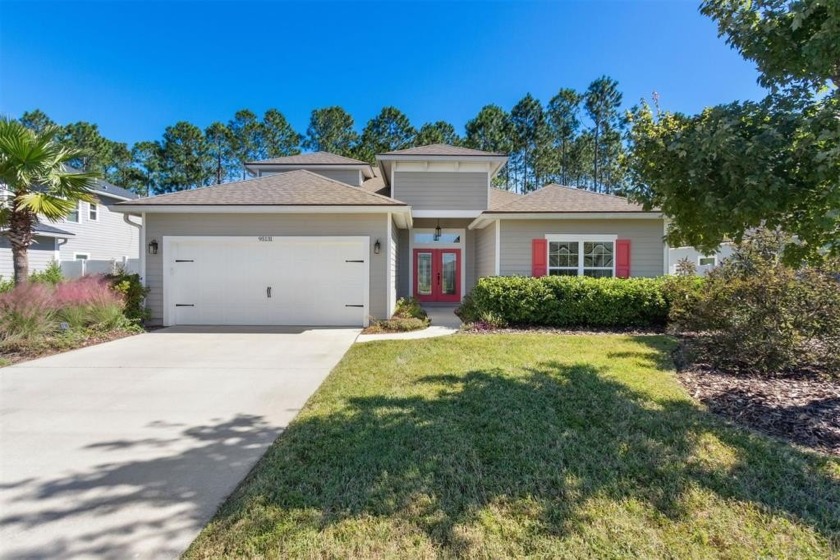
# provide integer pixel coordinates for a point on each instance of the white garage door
(265, 280)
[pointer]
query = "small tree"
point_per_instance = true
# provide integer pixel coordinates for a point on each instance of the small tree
(34, 172)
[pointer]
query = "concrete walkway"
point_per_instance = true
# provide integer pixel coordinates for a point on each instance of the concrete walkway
(126, 449)
(444, 322)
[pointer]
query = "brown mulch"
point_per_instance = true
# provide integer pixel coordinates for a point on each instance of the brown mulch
(802, 409)
(26, 354)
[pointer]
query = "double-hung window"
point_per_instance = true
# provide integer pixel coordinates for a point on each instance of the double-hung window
(575, 255)
(73, 215)
(93, 211)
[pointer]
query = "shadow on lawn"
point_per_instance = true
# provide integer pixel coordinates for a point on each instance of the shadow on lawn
(557, 436)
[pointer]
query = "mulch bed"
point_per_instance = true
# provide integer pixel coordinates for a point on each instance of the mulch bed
(32, 354)
(803, 409)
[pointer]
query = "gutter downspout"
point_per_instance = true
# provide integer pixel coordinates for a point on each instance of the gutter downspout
(142, 238)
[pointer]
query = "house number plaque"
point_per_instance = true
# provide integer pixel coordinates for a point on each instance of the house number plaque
(265, 238)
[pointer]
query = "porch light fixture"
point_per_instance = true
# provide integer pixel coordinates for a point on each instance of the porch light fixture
(377, 247)
(153, 247)
(437, 231)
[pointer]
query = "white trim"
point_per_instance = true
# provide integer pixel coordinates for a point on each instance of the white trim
(700, 257)
(580, 239)
(257, 209)
(446, 213)
(93, 207)
(141, 234)
(78, 219)
(389, 277)
(486, 218)
(56, 250)
(167, 270)
(498, 247)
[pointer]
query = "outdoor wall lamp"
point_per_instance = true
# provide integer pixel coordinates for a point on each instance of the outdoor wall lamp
(377, 247)
(153, 247)
(437, 231)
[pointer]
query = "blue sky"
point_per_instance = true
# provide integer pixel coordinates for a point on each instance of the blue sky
(135, 67)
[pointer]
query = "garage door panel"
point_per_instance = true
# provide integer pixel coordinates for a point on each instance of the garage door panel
(313, 281)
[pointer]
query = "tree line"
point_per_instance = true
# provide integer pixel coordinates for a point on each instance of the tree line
(576, 138)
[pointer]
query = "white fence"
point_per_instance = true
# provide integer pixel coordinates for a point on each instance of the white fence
(79, 268)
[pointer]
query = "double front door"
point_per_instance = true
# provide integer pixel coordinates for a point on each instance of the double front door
(437, 275)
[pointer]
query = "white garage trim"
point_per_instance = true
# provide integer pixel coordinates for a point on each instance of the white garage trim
(169, 242)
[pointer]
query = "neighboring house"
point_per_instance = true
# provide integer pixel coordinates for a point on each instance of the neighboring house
(704, 262)
(43, 251)
(319, 239)
(98, 232)
(92, 232)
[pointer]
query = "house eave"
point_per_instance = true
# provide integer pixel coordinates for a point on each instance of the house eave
(489, 217)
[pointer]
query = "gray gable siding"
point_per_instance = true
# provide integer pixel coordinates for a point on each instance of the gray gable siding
(373, 225)
(647, 248)
(441, 190)
(41, 254)
(106, 238)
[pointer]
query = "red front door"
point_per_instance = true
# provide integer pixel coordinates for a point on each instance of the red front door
(437, 275)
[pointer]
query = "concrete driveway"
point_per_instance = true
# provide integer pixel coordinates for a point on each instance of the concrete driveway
(126, 449)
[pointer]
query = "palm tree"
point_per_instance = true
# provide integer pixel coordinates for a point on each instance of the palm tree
(38, 184)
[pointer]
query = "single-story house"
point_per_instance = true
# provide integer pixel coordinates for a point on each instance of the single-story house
(321, 239)
(45, 249)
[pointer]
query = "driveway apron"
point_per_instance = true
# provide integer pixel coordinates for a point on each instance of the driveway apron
(126, 449)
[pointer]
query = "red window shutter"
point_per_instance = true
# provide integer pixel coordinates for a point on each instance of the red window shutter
(622, 258)
(539, 257)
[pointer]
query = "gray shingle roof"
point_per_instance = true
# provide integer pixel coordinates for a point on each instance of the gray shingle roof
(50, 230)
(440, 150)
(314, 158)
(556, 198)
(291, 188)
(104, 188)
(500, 197)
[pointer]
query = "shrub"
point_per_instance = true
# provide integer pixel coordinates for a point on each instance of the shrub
(568, 302)
(754, 314)
(51, 275)
(134, 295)
(409, 308)
(27, 312)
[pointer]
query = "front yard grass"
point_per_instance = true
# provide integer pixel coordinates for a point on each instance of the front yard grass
(562, 446)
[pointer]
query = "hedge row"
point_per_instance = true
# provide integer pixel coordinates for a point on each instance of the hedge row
(565, 301)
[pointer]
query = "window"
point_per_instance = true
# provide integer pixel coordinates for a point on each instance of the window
(93, 211)
(73, 216)
(581, 257)
(81, 256)
(707, 260)
(429, 237)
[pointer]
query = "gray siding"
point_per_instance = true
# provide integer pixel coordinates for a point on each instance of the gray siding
(395, 264)
(485, 251)
(109, 237)
(349, 176)
(373, 225)
(441, 190)
(41, 254)
(647, 257)
(403, 263)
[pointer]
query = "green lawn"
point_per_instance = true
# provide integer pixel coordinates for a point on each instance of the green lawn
(523, 445)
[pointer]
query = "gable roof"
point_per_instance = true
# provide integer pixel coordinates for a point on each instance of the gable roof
(440, 150)
(292, 188)
(555, 198)
(312, 158)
